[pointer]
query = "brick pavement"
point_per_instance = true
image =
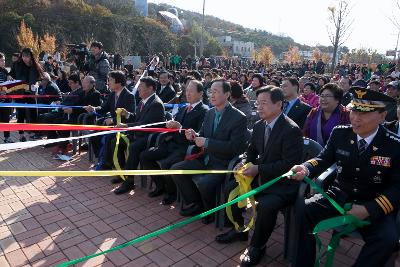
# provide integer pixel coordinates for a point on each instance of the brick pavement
(46, 220)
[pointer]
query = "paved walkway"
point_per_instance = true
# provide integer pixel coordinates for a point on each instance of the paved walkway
(46, 220)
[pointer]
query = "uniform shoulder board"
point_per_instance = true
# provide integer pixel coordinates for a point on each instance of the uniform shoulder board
(392, 136)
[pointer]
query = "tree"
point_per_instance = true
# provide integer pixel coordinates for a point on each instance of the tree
(364, 56)
(338, 30)
(316, 54)
(26, 38)
(48, 43)
(265, 55)
(293, 55)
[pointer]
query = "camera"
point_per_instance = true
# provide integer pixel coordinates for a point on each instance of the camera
(79, 53)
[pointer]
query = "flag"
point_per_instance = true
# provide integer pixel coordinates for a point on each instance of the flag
(11, 86)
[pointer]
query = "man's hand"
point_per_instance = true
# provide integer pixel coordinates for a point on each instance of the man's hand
(121, 125)
(238, 166)
(359, 211)
(190, 134)
(251, 171)
(173, 124)
(108, 121)
(89, 108)
(300, 171)
(124, 113)
(200, 141)
(67, 110)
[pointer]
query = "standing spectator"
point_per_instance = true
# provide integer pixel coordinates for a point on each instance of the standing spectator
(4, 112)
(98, 66)
(320, 67)
(239, 100)
(345, 84)
(26, 69)
(48, 65)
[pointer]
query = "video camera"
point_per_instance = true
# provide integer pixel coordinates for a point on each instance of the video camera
(79, 52)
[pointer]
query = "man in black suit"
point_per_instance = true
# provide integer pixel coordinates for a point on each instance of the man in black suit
(150, 110)
(173, 149)
(345, 83)
(165, 91)
(222, 137)
(394, 126)
(294, 108)
(119, 98)
(276, 144)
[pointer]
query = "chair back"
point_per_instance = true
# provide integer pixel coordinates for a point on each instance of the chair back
(311, 149)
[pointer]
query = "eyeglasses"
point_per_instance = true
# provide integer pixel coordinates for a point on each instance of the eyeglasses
(325, 96)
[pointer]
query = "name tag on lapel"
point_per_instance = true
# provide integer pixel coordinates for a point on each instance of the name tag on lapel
(380, 161)
(343, 152)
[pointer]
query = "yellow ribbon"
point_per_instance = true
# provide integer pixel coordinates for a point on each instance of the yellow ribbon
(108, 173)
(244, 186)
(126, 140)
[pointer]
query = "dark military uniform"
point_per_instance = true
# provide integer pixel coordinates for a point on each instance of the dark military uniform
(370, 178)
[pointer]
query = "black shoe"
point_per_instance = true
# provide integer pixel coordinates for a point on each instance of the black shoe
(125, 187)
(252, 256)
(22, 139)
(208, 219)
(232, 236)
(156, 192)
(191, 211)
(168, 199)
(116, 180)
(8, 141)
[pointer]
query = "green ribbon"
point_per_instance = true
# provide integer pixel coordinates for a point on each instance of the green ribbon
(349, 221)
(178, 224)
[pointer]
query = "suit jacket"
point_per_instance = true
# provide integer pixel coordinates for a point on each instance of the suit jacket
(189, 120)
(167, 94)
(126, 100)
(153, 111)
(92, 98)
(230, 137)
(282, 151)
(392, 126)
(370, 179)
(298, 113)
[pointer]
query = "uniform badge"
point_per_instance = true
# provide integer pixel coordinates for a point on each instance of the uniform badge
(377, 179)
(380, 161)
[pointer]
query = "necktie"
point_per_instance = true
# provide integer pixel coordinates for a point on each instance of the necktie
(141, 105)
(267, 133)
(189, 108)
(362, 146)
(285, 107)
(116, 100)
(217, 118)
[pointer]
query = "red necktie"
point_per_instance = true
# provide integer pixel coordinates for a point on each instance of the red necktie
(141, 106)
(189, 108)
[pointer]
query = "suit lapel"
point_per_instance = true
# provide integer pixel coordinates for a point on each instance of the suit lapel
(222, 121)
(294, 107)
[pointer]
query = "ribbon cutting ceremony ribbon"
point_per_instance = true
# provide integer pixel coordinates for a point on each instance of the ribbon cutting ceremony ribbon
(76, 127)
(244, 186)
(125, 139)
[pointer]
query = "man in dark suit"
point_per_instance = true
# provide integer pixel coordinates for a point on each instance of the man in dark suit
(119, 98)
(150, 110)
(222, 137)
(345, 83)
(294, 108)
(173, 149)
(165, 91)
(367, 156)
(276, 144)
(394, 126)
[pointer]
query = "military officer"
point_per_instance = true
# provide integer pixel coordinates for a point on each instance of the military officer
(368, 162)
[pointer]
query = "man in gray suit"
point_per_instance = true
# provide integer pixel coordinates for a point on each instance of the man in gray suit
(222, 137)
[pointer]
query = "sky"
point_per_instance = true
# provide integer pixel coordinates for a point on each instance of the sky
(306, 21)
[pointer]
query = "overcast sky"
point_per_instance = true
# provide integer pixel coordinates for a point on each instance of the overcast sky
(305, 20)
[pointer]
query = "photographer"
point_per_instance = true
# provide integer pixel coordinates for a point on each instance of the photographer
(98, 66)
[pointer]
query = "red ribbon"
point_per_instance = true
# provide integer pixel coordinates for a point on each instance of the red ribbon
(33, 96)
(72, 127)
